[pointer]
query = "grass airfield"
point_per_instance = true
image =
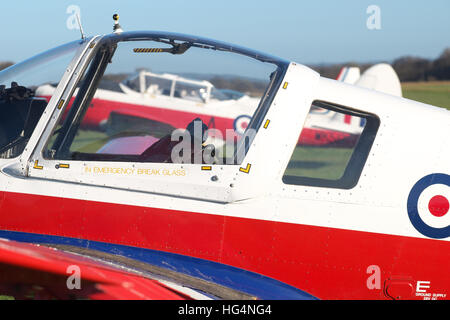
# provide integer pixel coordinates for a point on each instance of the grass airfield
(436, 93)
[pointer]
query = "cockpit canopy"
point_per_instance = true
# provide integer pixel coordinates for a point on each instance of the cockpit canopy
(152, 104)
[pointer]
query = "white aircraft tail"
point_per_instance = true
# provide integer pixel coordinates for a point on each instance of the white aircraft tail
(381, 77)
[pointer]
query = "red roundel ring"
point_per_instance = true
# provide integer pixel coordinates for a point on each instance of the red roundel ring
(438, 206)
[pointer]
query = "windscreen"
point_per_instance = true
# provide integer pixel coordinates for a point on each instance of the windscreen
(25, 89)
(152, 96)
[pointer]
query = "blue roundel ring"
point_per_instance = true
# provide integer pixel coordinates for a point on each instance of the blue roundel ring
(413, 213)
(235, 123)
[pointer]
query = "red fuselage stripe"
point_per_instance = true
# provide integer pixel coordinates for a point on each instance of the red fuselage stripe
(325, 262)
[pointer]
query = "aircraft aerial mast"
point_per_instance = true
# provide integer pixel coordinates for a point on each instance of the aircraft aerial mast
(117, 28)
(83, 36)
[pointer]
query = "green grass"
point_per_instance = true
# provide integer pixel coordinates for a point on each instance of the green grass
(319, 162)
(436, 93)
(89, 141)
(6, 298)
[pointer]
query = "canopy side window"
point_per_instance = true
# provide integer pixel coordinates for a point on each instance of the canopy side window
(332, 148)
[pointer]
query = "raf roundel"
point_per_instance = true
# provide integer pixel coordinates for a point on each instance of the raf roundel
(429, 205)
(241, 123)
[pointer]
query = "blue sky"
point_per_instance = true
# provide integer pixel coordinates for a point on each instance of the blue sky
(304, 31)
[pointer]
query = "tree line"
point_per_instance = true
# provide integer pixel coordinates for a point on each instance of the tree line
(4, 65)
(408, 68)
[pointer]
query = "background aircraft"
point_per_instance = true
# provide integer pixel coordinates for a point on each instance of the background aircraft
(148, 98)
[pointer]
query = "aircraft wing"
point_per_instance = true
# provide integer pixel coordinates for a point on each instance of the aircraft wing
(29, 271)
(47, 271)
